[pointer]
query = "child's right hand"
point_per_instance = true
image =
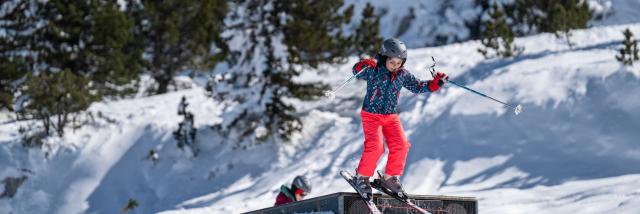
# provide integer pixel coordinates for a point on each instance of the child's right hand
(369, 62)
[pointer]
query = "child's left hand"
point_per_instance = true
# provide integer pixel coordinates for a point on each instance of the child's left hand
(438, 81)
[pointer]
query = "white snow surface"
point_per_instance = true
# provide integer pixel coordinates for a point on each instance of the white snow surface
(449, 19)
(574, 149)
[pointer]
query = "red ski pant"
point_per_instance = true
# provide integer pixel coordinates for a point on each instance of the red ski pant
(375, 126)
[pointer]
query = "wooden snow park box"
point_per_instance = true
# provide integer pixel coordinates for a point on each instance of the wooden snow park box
(350, 203)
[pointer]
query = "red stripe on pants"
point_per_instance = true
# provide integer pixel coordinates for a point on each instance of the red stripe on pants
(375, 126)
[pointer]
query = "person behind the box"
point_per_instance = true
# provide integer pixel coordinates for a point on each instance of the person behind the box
(299, 189)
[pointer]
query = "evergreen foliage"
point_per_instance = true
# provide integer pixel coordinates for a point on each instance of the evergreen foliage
(178, 35)
(8, 80)
(567, 15)
(55, 96)
(275, 40)
(628, 53)
(61, 55)
(185, 135)
(12, 22)
(367, 35)
(130, 205)
(497, 36)
(553, 16)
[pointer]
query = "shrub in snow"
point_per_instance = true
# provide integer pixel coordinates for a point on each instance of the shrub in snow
(553, 16)
(32, 136)
(567, 15)
(130, 206)
(497, 36)
(628, 53)
(56, 98)
(185, 135)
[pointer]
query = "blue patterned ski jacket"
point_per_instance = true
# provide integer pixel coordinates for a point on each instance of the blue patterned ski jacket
(383, 88)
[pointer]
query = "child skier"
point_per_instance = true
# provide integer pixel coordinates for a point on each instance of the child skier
(299, 189)
(385, 77)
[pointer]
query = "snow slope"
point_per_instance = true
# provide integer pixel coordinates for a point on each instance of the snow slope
(574, 149)
(429, 23)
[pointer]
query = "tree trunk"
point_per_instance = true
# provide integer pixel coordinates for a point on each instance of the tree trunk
(163, 84)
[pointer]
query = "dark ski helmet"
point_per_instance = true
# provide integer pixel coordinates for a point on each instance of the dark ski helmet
(394, 48)
(301, 182)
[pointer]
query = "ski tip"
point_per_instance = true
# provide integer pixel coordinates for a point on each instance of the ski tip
(346, 173)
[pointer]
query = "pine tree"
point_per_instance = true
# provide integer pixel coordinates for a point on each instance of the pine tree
(67, 54)
(628, 53)
(309, 31)
(553, 16)
(177, 35)
(115, 59)
(55, 96)
(497, 36)
(273, 41)
(14, 24)
(367, 36)
(567, 15)
(9, 78)
(527, 16)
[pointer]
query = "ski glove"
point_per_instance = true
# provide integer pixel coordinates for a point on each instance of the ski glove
(438, 81)
(371, 63)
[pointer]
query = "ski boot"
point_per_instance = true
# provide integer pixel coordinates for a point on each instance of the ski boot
(364, 186)
(393, 185)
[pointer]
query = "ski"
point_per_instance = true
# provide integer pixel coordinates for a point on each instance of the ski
(377, 184)
(368, 199)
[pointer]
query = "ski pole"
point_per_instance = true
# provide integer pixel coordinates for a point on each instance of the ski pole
(332, 94)
(517, 109)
